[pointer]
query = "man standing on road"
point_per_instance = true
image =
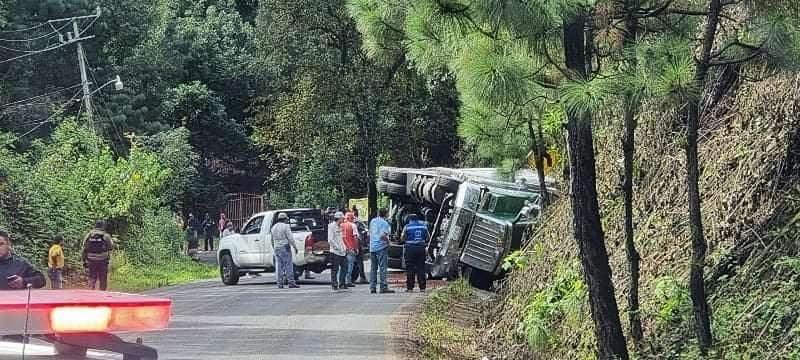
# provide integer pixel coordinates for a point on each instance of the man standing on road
(15, 271)
(338, 253)
(282, 241)
(415, 236)
(97, 247)
(379, 230)
(350, 237)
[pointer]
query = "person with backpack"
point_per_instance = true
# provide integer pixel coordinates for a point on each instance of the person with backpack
(97, 247)
(55, 262)
(192, 243)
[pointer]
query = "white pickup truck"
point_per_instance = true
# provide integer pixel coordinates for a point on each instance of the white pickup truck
(251, 250)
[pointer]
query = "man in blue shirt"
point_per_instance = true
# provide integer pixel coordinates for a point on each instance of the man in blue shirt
(379, 230)
(415, 235)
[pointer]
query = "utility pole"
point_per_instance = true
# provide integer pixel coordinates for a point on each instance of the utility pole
(84, 80)
(75, 36)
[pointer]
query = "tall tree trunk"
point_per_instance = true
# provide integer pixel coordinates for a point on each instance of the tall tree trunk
(628, 150)
(586, 211)
(538, 154)
(692, 115)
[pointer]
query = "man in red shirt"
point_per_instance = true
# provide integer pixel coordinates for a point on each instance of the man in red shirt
(351, 244)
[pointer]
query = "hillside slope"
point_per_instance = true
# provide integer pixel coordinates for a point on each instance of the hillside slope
(750, 166)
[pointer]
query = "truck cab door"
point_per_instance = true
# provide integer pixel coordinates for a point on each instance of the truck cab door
(266, 251)
(251, 243)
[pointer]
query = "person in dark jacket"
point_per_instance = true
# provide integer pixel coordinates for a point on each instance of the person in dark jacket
(15, 271)
(415, 236)
(96, 255)
(208, 231)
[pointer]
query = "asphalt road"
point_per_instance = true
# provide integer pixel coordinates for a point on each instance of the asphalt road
(255, 320)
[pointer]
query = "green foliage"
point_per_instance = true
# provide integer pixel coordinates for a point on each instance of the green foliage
(442, 334)
(559, 308)
(517, 260)
(65, 183)
(672, 302)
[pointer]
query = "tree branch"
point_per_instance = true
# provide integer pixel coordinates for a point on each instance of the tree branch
(747, 58)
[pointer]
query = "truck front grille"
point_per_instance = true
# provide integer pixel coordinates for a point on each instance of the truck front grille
(484, 245)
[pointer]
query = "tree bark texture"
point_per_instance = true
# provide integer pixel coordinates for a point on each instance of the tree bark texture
(586, 212)
(536, 148)
(629, 151)
(696, 277)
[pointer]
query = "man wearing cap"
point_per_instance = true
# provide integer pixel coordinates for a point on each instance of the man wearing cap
(338, 252)
(282, 240)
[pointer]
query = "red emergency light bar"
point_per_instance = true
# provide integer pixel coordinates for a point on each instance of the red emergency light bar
(77, 311)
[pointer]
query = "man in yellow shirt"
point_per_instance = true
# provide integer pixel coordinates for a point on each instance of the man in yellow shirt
(55, 262)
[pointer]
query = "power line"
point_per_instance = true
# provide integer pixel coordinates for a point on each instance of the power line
(22, 30)
(101, 101)
(48, 119)
(38, 51)
(38, 96)
(55, 31)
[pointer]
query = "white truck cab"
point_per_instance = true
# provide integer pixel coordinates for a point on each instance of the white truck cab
(251, 250)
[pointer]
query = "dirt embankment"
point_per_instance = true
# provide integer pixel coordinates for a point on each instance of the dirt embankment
(749, 163)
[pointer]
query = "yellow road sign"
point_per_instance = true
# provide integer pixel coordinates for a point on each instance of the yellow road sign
(550, 160)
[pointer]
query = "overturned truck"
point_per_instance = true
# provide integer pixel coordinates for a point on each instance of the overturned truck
(474, 217)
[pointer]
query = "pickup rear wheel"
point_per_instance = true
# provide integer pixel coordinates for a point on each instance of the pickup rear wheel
(228, 270)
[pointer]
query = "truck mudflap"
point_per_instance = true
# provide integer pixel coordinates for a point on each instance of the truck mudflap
(484, 245)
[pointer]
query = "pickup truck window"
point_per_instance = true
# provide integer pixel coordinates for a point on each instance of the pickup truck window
(304, 220)
(253, 226)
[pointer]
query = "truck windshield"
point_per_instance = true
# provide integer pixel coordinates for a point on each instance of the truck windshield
(500, 205)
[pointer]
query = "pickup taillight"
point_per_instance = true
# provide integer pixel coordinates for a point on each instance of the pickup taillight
(309, 242)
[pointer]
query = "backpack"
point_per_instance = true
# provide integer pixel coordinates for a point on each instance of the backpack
(96, 244)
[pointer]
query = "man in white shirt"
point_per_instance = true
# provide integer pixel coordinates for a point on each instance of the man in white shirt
(338, 253)
(282, 242)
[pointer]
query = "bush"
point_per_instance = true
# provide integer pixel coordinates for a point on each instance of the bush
(64, 184)
(553, 314)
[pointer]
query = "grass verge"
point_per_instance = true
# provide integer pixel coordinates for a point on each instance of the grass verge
(446, 325)
(129, 277)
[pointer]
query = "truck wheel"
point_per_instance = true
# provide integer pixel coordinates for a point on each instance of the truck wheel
(228, 270)
(298, 272)
(392, 189)
(449, 184)
(479, 279)
(393, 176)
(382, 187)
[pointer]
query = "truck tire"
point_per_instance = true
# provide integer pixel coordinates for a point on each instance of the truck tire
(298, 272)
(427, 191)
(391, 189)
(479, 279)
(439, 193)
(449, 184)
(393, 176)
(228, 270)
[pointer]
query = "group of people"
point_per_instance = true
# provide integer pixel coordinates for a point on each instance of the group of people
(19, 273)
(194, 228)
(346, 252)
